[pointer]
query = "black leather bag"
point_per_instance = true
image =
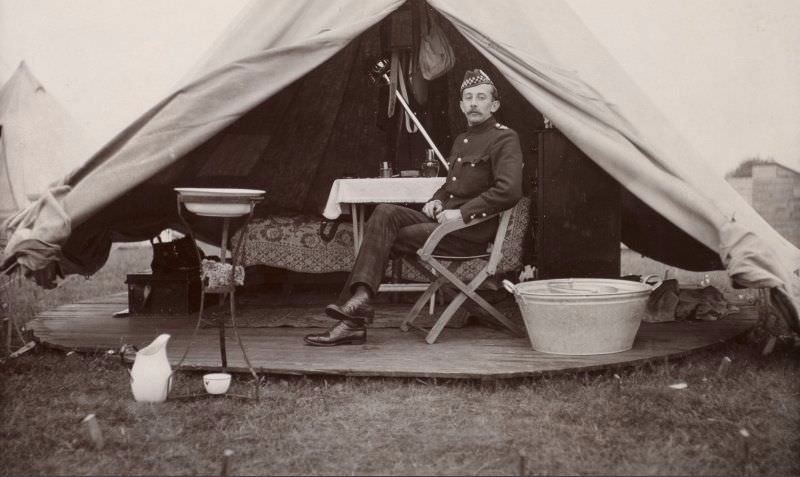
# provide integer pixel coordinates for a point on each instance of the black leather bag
(180, 255)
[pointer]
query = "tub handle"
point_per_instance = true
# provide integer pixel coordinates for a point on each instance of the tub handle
(510, 287)
(656, 284)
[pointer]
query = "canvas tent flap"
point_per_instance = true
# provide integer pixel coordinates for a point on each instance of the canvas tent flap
(242, 74)
(262, 26)
(540, 47)
(44, 220)
(214, 100)
(585, 93)
(572, 80)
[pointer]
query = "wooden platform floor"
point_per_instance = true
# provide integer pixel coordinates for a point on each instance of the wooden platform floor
(467, 352)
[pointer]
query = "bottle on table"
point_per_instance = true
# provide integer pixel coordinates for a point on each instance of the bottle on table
(430, 167)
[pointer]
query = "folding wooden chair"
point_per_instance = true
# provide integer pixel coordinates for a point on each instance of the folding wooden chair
(505, 255)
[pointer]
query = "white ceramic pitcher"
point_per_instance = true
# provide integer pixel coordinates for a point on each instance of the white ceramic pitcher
(150, 375)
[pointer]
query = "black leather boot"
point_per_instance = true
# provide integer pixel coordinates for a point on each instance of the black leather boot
(357, 310)
(342, 333)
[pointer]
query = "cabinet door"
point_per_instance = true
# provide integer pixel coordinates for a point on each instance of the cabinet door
(577, 218)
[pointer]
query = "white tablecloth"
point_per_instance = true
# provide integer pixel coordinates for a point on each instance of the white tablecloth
(396, 190)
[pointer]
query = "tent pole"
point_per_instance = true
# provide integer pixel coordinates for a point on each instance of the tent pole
(418, 124)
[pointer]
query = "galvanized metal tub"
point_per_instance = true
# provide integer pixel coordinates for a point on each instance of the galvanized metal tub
(581, 316)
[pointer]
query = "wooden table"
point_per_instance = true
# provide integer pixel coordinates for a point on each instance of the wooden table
(355, 194)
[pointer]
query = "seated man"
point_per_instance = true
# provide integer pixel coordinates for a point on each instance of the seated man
(485, 177)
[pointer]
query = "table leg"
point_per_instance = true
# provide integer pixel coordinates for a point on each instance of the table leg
(397, 268)
(361, 223)
(356, 231)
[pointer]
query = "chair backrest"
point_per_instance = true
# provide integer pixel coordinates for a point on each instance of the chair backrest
(514, 238)
(510, 257)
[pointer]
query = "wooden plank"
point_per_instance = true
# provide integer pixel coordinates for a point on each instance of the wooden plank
(388, 315)
(468, 352)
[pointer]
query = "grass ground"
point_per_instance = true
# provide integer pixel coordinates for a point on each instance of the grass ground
(573, 424)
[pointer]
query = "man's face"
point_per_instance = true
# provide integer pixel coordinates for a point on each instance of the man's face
(477, 103)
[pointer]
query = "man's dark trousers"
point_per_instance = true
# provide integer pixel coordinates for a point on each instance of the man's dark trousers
(398, 230)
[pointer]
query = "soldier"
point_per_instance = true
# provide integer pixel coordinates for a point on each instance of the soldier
(485, 178)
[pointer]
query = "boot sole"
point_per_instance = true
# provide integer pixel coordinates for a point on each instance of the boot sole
(338, 315)
(356, 341)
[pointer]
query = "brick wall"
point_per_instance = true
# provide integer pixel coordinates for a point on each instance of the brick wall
(774, 192)
(744, 186)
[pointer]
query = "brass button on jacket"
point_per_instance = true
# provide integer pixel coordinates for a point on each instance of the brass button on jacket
(487, 159)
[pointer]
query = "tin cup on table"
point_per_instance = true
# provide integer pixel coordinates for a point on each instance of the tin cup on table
(385, 171)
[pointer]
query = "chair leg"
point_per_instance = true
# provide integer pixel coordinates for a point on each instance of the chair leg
(487, 307)
(437, 281)
(447, 314)
(420, 304)
(464, 292)
(469, 291)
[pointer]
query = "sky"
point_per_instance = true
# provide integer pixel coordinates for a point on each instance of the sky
(725, 72)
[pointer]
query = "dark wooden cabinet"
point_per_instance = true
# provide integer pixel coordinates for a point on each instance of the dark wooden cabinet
(576, 216)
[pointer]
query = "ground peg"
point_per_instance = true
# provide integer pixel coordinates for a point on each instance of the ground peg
(521, 466)
(617, 382)
(226, 457)
(723, 366)
(93, 429)
(745, 448)
(769, 346)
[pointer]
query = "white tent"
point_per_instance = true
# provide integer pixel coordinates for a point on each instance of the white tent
(39, 141)
(541, 49)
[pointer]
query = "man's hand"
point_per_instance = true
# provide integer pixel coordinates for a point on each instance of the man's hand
(432, 208)
(448, 215)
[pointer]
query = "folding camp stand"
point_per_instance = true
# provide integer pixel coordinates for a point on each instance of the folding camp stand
(229, 288)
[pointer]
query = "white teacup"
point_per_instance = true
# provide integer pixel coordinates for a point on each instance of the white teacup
(217, 383)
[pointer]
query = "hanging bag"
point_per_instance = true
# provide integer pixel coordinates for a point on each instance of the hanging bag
(417, 83)
(436, 56)
(419, 86)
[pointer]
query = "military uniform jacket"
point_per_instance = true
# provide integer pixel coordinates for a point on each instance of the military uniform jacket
(485, 176)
